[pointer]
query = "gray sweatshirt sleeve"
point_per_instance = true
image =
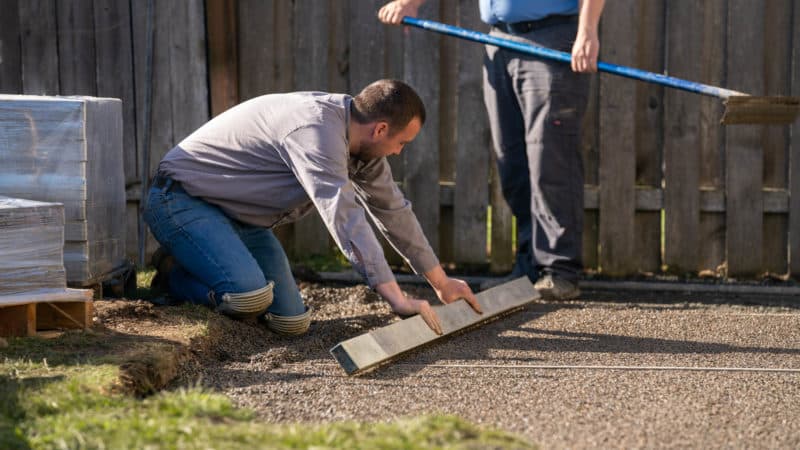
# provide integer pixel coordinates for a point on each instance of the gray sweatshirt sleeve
(393, 215)
(317, 155)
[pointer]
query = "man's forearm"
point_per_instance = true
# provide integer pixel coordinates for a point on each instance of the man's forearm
(589, 14)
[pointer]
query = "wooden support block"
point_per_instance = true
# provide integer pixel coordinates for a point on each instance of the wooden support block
(383, 345)
(25, 314)
(52, 316)
(18, 320)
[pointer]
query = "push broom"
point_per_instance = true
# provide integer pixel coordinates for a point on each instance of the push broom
(740, 108)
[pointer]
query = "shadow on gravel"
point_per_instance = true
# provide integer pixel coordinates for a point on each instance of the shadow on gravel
(566, 341)
(678, 297)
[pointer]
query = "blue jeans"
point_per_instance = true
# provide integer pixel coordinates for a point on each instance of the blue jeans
(216, 254)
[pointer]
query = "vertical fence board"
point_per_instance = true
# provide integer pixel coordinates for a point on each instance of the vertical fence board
(449, 61)
(712, 135)
(76, 53)
(589, 151)
(39, 47)
(338, 48)
(10, 56)
(473, 148)
(617, 137)
(421, 180)
(256, 20)
(222, 54)
(681, 138)
(115, 75)
(649, 132)
(283, 50)
(744, 157)
(311, 73)
(794, 157)
(160, 103)
(502, 244)
(777, 51)
(188, 68)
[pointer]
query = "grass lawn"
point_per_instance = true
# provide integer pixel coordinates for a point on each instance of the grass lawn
(100, 389)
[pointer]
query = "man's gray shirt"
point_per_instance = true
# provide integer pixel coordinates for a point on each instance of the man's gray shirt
(269, 160)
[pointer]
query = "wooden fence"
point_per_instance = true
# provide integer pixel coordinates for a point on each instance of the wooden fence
(666, 186)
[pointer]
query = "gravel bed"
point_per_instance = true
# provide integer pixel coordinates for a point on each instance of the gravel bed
(295, 379)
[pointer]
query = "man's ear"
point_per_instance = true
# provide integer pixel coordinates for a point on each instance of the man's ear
(381, 130)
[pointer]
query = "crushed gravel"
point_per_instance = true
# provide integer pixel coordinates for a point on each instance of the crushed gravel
(296, 379)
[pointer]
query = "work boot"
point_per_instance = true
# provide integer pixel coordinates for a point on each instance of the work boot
(163, 262)
(553, 287)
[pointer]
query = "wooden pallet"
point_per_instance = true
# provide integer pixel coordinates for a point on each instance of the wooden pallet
(27, 314)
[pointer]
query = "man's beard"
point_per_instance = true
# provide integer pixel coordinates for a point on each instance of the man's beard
(368, 152)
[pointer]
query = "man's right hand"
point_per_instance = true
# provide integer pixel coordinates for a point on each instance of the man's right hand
(406, 306)
(393, 12)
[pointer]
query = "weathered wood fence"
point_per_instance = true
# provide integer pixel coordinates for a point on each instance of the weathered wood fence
(666, 186)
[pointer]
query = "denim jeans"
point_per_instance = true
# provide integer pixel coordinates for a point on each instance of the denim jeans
(535, 109)
(216, 254)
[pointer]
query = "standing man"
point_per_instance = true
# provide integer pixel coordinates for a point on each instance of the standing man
(268, 161)
(535, 109)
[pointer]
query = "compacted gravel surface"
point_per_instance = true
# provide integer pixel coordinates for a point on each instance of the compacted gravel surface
(627, 370)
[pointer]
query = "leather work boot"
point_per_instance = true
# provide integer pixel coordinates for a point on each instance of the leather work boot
(553, 287)
(163, 262)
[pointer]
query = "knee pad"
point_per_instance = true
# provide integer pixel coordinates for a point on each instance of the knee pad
(246, 304)
(289, 325)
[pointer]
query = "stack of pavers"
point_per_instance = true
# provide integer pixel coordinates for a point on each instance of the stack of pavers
(31, 247)
(33, 287)
(68, 150)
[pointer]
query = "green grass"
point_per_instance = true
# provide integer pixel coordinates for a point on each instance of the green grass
(46, 406)
(69, 392)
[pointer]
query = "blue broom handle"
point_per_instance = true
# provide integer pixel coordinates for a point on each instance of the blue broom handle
(556, 55)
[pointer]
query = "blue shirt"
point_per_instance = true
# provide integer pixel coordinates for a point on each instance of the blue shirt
(511, 11)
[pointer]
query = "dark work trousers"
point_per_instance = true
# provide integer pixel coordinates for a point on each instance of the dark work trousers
(535, 110)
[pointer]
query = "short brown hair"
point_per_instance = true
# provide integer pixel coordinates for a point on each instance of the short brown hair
(391, 101)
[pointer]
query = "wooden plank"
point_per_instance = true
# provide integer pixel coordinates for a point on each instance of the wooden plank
(76, 53)
(589, 154)
(744, 156)
(60, 315)
(794, 157)
(39, 47)
(222, 54)
(338, 48)
(473, 148)
(380, 346)
(255, 17)
(421, 178)
(649, 123)
(366, 44)
(617, 135)
(18, 320)
(681, 139)
(450, 63)
(777, 70)
(161, 138)
(502, 240)
(10, 51)
(311, 59)
(188, 79)
(283, 49)
(115, 75)
(712, 135)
